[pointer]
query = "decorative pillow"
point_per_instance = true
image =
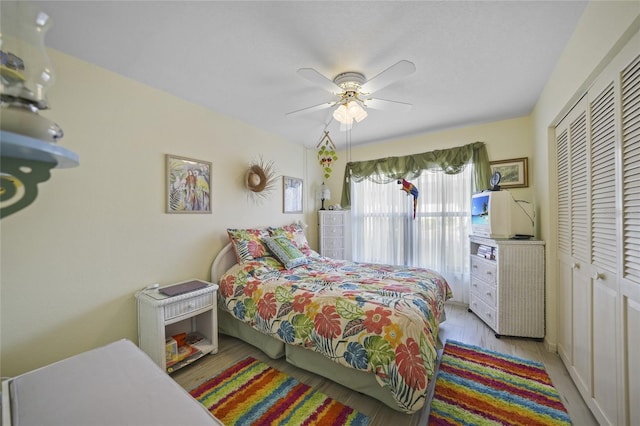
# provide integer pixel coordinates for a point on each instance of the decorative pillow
(295, 233)
(248, 244)
(286, 252)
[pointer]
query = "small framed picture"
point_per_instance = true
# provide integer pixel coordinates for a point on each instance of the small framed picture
(291, 194)
(514, 172)
(188, 185)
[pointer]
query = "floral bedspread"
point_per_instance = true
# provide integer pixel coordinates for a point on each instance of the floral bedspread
(376, 318)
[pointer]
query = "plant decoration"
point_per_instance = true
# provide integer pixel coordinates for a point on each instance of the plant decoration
(260, 179)
(326, 154)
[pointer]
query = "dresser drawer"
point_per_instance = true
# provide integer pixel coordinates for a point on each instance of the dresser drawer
(483, 311)
(331, 219)
(185, 306)
(333, 231)
(332, 243)
(485, 270)
(486, 292)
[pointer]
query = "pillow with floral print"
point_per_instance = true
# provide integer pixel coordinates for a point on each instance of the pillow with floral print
(295, 233)
(248, 244)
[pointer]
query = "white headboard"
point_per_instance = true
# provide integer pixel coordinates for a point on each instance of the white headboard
(221, 264)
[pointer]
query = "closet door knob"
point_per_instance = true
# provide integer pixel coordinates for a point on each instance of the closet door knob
(575, 265)
(598, 276)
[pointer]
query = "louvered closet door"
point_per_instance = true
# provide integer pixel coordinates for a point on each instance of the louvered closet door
(574, 295)
(630, 282)
(581, 291)
(604, 249)
(565, 272)
(598, 157)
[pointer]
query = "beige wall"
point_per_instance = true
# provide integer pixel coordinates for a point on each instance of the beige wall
(604, 26)
(73, 260)
(504, 139)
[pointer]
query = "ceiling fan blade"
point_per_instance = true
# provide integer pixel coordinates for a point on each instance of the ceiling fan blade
(318, 79)
(387, 105)
(310, 109)
(392, 74)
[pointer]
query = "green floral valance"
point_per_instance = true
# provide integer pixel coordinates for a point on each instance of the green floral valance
(450, 161)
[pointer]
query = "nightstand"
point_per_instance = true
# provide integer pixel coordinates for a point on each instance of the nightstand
(161, 316)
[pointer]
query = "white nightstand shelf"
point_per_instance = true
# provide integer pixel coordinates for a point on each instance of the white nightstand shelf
(161, 316)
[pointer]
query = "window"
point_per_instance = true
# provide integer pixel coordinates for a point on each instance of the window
(384, 230)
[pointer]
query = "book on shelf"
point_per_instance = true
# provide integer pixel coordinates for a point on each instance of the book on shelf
(193, 346)
(486, 251)
(185, 353)
(197, 340)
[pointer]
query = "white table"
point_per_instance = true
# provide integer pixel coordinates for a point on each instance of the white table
(116, 384)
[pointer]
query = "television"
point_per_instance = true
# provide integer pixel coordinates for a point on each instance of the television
(496, 214)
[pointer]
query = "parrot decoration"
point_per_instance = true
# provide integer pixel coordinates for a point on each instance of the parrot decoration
(410, 189)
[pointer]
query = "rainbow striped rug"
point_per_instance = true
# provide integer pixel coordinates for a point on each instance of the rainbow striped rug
(252, 393)
(481, 387)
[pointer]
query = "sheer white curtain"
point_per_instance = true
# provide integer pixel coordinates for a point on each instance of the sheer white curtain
(384, 230)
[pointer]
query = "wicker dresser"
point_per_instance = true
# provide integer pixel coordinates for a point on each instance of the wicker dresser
(507, 285)
(333, 234)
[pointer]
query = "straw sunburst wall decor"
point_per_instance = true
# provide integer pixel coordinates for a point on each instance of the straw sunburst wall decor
(260, 179)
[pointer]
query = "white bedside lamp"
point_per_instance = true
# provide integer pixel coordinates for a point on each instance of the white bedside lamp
(325, 194)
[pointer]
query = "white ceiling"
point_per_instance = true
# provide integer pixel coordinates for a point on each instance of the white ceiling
(477, 61)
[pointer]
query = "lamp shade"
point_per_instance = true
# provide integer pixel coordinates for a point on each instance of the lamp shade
(26, 69)
(348, 112)
(325, 193)
(341, 114)
(356, 111)
(25, 72)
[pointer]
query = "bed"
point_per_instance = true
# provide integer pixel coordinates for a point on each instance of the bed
(372, 328)
(116, 384)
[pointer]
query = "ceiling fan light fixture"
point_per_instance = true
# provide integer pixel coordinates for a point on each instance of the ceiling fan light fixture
(342, 114)
(347, 112)
(352, 90)
(356, 111)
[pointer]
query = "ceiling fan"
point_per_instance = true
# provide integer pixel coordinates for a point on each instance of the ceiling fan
(353, 92)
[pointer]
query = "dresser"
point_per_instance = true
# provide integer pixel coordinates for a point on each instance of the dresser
(507, 285)
(334, 234)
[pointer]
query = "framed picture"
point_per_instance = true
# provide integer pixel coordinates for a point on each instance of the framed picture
(188, 185)
(515, 173)
(292, 194)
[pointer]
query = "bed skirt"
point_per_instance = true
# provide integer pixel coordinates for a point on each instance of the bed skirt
(305, 359)
(358, 381)
(233, 327)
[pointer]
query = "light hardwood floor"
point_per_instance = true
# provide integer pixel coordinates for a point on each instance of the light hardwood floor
(460, 325)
